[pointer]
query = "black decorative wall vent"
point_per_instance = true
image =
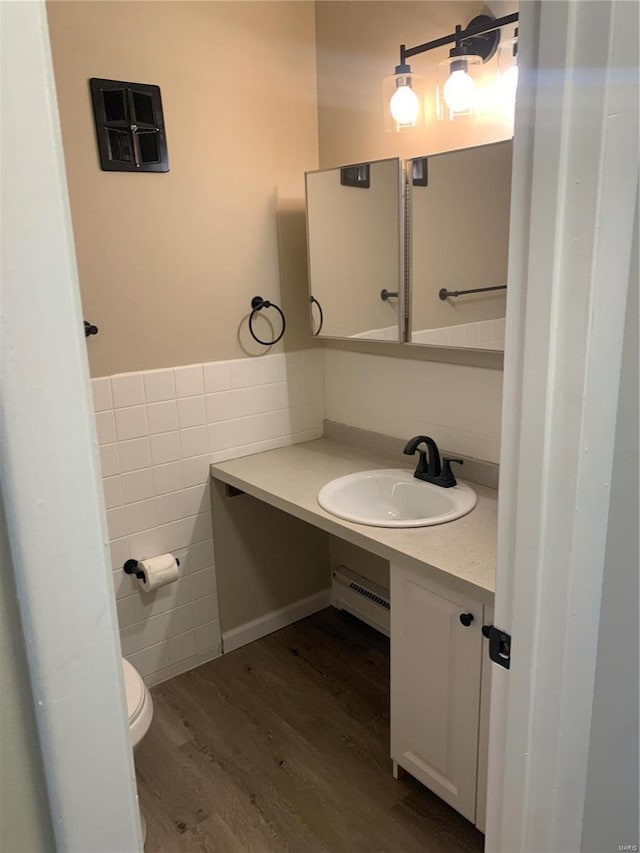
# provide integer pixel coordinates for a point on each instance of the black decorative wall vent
(129, 126)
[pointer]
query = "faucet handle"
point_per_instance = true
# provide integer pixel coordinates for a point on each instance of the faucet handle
(423, 464)
(447, 478)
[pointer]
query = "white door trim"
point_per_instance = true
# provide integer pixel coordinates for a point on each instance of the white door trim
(575, 183)
(50, 468)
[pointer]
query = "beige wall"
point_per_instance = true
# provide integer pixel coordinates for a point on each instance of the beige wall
(25, 824)
(362, 562)
(358, 46)
(168, 263)
(265, 559)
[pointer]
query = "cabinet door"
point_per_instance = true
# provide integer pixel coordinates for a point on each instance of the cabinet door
(435, 686)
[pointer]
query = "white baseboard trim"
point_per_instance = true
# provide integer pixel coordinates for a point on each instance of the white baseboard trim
(270, 622)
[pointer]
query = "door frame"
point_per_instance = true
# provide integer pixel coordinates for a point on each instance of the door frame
(550, 554)
(50, 468)
(574, 192)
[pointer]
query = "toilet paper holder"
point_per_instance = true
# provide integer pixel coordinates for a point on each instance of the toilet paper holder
(131, 568)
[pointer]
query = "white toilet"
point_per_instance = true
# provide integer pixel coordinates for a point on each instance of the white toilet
(140, 711)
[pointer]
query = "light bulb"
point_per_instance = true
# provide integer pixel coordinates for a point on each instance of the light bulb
(459, 91)
(509, 83)
(404, 105)
(508, 70)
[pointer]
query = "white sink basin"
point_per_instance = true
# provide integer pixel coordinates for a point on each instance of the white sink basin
(391, 497)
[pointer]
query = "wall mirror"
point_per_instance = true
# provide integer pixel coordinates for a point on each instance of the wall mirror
(459, 236)
(354, 228)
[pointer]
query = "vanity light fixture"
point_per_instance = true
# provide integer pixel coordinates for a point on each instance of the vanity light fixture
(456, 93)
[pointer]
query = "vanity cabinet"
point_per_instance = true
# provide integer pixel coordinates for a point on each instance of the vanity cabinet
(439, 665)
(436, 686)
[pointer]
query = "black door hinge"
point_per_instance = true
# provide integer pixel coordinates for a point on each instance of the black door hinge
(499, 645)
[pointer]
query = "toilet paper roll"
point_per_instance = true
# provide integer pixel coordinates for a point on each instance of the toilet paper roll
(158, 571)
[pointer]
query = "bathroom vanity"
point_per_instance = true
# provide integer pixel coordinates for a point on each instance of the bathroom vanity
(441, 594)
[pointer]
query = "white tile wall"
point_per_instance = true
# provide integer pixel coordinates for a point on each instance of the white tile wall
(459, 406)
(483, 334)
(158, 433)
(387, 333)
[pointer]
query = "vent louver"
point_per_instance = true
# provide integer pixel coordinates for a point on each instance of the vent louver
(115, 105)
(143, 105)
(120, 146)
(370, 595)
(148, 143)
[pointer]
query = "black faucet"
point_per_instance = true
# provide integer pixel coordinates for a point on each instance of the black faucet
(429, 467)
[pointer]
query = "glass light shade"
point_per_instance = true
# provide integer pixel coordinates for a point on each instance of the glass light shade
(403, 101)
(508, 69)
(457, 89)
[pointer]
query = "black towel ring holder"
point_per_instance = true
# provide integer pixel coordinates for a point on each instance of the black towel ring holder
(313, 300)
(257, 304)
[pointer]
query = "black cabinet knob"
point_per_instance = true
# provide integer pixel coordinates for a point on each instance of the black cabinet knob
(89, 329)
(466, 619)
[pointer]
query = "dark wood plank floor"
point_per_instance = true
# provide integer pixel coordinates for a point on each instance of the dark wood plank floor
(283, 745)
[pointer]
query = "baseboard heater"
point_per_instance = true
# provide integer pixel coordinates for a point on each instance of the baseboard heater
(362, 598)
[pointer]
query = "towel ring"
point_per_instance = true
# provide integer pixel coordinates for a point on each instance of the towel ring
(312, 300)
(257, 304)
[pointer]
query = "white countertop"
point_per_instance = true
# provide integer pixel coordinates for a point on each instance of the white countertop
(461, 553)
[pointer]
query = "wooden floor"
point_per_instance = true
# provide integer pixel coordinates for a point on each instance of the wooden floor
(284, 745)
